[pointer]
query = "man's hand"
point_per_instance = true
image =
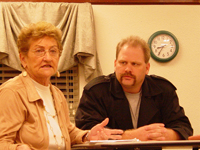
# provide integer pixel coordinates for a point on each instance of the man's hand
(99, 132)
(194, 137)
(156, 132)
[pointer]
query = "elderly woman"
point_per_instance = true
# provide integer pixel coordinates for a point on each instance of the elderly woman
(33, 112)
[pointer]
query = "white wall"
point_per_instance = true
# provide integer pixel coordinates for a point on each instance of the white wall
(114, 22)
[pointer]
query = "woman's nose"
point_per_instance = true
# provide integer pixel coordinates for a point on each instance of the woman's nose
(47, 56)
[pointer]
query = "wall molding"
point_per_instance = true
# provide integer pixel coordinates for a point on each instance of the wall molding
(119, 2)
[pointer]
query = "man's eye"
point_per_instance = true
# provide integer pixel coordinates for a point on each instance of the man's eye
(134, 64)
(123, 62)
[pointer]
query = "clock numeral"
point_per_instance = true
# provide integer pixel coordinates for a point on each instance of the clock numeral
(171, 42)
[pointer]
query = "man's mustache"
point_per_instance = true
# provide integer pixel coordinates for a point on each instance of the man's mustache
(128, 74)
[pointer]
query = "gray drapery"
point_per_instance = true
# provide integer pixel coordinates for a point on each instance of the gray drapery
(74, 19)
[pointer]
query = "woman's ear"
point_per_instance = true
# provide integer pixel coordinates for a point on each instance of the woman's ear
(22, 59)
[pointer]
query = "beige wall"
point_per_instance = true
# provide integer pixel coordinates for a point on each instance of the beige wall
(114, 22)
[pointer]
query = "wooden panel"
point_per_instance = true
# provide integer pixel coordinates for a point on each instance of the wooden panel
(120, 2)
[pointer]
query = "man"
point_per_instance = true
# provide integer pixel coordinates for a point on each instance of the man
(145, 106)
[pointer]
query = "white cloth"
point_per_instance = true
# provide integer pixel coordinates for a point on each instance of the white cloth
(74, 19)
(53, 126)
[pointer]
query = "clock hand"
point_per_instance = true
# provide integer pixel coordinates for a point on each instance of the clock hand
(161, 47)
(160, 51)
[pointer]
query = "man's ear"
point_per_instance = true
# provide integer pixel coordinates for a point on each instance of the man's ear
(22, 59)
(115, 65)
(147, 68)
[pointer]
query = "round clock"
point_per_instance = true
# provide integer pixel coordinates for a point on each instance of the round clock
(163, 46)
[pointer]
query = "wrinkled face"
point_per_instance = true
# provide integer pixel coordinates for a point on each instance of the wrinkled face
(42, 59)
(130, 68)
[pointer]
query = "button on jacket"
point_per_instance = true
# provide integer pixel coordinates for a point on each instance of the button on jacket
(104, 97)
(22, 117)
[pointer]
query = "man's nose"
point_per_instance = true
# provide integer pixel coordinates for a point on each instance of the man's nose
(128, 68)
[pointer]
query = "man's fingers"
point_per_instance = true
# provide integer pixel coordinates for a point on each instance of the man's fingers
(105, 122)
(158, 134)
(114, 131)
(154, 126)
(115, 137)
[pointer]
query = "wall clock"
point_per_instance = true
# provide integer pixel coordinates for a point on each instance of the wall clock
(163, 46)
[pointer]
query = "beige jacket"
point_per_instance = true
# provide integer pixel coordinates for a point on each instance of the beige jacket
(22, 118)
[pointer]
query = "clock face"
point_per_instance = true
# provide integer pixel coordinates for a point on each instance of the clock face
(163, 46)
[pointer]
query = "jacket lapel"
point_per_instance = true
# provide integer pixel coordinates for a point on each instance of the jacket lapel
(122, 114)
(121, 111)
(148, 107)
(147, 111)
